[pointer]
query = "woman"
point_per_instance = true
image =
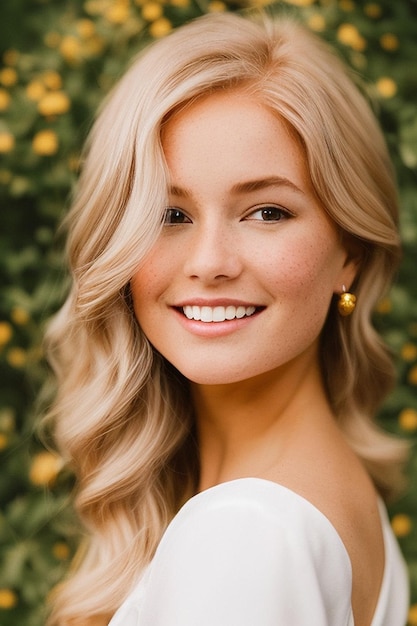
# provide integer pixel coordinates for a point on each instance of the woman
(236, 203)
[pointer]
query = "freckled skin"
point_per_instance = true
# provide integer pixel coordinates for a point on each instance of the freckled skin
(224, 249)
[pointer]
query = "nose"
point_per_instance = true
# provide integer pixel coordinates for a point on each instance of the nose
(213, 255)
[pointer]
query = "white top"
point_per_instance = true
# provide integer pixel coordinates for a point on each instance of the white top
(251, 552)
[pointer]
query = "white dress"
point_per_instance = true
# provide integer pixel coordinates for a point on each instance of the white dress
(251, 552)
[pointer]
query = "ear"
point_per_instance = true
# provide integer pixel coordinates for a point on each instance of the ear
(354, 256)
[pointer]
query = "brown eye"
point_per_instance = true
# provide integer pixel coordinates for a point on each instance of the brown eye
(269, 213)
(175, 216)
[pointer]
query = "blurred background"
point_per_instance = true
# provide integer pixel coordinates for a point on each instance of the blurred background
(58, 58)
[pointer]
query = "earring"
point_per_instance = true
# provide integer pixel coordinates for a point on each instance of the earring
(346, 303)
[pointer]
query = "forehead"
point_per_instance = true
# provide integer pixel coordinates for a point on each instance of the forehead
(232, 133)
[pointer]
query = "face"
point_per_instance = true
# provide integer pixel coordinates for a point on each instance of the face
(240, 280)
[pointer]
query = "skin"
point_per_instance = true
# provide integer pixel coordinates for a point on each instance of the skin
(245, 228)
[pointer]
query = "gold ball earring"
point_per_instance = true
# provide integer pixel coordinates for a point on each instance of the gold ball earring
(346, 303)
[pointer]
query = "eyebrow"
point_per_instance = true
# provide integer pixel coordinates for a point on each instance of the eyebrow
(246, 186)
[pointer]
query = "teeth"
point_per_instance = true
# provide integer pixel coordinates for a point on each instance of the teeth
(217, 313)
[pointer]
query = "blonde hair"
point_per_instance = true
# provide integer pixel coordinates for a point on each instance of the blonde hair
(122, 415)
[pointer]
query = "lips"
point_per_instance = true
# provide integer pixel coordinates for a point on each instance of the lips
(217, 313)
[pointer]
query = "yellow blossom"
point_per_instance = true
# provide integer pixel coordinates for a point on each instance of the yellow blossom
(160, 27)
(372, 9)
(180, 3)
(16, 357)
(401, 524)
(216, 6)
(19, 316)
(61, 551)
(4, 99)
(95, 7)
(409, 351)
(86, 28)
(55, 103)
(386, 87)
(316, 22)
(412, 615)
(52, 80)
(151, 11)
(384, 306)
(70, 48)
(45, 142)
(8, 599)
(7, 141)
(93, 46)
(35, 90)
(408, 420)
(349, 35)
(44, 469)
(52, 39)
(389, 41)
(11, 57)
(7, 419)
(8, 76)
(3, 441)
(301, 3)
(412, 375)
(6, 333)
(5, 177)
(347, 5)
(117, 13)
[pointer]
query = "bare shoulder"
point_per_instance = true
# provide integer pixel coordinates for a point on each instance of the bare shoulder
(326, 472)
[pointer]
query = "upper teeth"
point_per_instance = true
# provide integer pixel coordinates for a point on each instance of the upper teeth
(217, 313)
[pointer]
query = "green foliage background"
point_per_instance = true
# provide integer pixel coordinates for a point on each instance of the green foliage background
(58, 59)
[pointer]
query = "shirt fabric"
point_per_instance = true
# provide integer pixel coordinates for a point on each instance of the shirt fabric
(251, 552)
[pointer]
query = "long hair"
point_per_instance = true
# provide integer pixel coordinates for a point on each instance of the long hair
(122, 416)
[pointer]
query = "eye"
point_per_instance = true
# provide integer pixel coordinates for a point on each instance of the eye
(175, 216)
(269, 213)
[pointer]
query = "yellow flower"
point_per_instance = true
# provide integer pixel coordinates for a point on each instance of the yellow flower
(8, 76)
(61, 551)
(3, 441)
(11, 57)
(412, 615)
(44, 469)
(35, 90)
(349, 35)
(216, 6)
(384, 306)
(6, 333)
(19, 316)
(16, 357)
(7, 141)
(93, 46)
(409, 352)
(401, 524)
(70, 48)
(300, 3)
(180, 3)
(8, 599)
(7, 419)
(316, 22)
(408, 419)
(386, 87)
(373, 10)
(55, 103)
(45, 142)
(412, 375)
(389, 42)
(5, 177)
(347, 5)
(52, 80)
(52, 39)
(160, 27)
(86, 28)
(4, 99)
(151, 11)
(117, 13)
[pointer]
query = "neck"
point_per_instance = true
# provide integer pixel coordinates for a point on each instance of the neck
(246, 428)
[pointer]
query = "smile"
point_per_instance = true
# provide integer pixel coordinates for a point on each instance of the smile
(217, 313)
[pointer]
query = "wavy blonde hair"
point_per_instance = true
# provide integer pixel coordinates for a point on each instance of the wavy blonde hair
(122, 415)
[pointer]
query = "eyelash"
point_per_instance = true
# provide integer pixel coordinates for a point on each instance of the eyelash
(172, 214)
